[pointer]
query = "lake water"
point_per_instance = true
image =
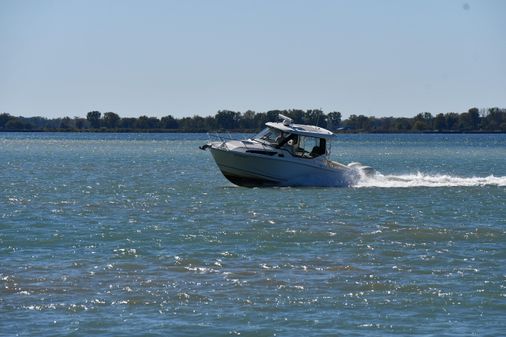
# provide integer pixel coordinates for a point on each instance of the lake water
(139, 234)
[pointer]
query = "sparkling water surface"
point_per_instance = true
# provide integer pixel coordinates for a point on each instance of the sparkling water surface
(139, 234)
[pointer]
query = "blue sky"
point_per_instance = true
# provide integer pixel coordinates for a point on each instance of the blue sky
(185, 58)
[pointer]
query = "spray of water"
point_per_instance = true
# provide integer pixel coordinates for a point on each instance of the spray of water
(426, 180)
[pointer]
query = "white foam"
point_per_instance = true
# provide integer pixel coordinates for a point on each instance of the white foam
(426, 180)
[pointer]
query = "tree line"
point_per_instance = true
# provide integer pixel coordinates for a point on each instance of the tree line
(473, 120)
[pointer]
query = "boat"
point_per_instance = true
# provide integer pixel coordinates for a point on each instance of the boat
(284, 154)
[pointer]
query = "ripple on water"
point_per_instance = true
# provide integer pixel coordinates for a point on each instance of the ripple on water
(144, 236)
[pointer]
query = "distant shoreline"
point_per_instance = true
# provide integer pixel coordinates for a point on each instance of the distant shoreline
(250, 132)
(490, 120)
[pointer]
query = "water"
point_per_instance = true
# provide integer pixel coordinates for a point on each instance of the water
(139, 234)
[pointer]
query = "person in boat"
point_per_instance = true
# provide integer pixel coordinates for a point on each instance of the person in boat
(293, 143)
(290, 143)
(273, 136)
(319, 150)
(280, 138)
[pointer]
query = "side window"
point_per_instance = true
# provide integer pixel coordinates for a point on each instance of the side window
(301, 147)
(309, 147)
(313, 147)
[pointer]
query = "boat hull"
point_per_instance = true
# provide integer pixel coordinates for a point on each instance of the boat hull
(252, 170)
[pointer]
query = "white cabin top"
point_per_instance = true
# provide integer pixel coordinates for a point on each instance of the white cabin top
(301, 129)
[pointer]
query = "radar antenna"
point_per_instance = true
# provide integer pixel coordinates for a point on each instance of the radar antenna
(287, 121)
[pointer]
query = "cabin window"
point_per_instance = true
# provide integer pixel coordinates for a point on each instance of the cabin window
(297, 145)
(309, 147)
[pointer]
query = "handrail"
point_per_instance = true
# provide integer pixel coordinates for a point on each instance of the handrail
(218, 136)
(221, 137)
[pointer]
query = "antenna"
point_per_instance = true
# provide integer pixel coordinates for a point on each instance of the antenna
(286, 120)
(318, 118)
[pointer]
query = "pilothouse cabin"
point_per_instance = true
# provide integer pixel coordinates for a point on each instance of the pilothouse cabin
(304, 141)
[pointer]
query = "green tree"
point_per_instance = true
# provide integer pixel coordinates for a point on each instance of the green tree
(210, 123)
(66, 124)
(142, 122)
(248, 120)
(153, 123)
(474, 118)
(452, 120)
(419, 125)
(273, 115)
(359, 123)
(260, 120)
(464, 123)
(352, 122)
(470, 120)
(227, 120)
(333, 120)
(17, 124)
(495, 118)
(4, 118)
(94, 118)
(197, 123)
(423, 121)
(111, 120)
(169, 122)
(315, 117)
(440, 122)
(128, 123)
(80, 123)
(402, 124)
(145, 122)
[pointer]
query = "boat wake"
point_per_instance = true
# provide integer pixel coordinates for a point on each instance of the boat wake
(426, 180)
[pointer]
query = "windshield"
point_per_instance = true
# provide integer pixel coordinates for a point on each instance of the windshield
(269, 135)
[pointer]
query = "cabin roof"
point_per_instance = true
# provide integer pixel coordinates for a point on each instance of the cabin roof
(301, 129)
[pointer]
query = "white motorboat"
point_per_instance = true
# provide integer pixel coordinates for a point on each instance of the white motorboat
(284, 154)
